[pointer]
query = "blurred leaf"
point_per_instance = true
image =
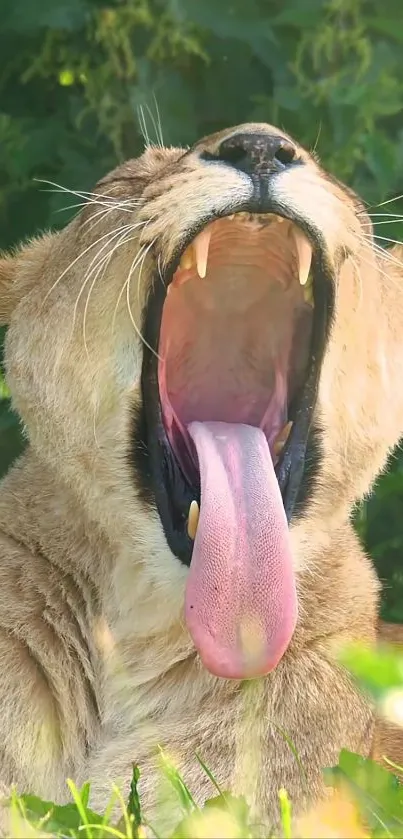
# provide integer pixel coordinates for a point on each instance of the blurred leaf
(57, 818)
(376, 791)
(377, 670)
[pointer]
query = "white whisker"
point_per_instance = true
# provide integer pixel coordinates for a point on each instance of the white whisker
(101, 267)
(384, 215)
(159, 132)
(158, 139)
(143, 127)
(389, 201)
(160, 271)
(131, 271)
(391, 241)
(132, 268)
(388, 221)
(381, 250)
(383, 256)
(120, 232)
(76, 259)
(83, 194)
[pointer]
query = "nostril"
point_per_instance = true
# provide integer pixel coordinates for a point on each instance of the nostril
(233, 154)
(285, 154)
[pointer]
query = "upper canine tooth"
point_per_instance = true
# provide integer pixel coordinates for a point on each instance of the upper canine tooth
(187, 258)
(193, 520)
(201, 246)
(304, 250)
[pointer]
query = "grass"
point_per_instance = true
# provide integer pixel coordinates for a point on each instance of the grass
(367, 800)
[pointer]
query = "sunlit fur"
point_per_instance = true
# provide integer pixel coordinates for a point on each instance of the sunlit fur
(96, 666)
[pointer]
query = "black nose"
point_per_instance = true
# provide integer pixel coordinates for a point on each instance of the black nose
(257, 153)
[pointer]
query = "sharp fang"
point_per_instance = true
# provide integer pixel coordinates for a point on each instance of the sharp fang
(187, 259)
(282, 438)
(308, 291)
(193, 520)
(201, 246)
(304, 250)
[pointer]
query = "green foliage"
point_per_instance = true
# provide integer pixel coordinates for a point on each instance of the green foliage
(376, 792)
(82, 80)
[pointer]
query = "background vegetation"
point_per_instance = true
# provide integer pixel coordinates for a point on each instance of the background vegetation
(79, 78)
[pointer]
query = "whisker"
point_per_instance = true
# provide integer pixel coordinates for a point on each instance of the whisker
(146, 344)
(102, 266)
(159, 142)
(384, 256)
(383, 215)
(143, 127)
(391, 241)
(101, 215)
(381, 250)
(132, 268)
(91, 267)
(160, 271)
(389, 201)
(76, 259)
(82, 193)
(317, 138)
(157, 110)
(388, 221)
(71, 207)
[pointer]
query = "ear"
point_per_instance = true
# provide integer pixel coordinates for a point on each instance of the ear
(18, 273)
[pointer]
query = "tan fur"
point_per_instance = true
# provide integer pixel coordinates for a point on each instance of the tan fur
(96, 665)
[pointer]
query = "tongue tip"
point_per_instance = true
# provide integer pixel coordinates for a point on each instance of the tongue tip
(233, 662)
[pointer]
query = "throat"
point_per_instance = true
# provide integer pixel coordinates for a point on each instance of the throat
(234, 348)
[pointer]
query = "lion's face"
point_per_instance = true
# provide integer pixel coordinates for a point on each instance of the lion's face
(204, 355)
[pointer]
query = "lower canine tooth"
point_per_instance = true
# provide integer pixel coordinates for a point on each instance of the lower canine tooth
(282, 438)
(193, 520)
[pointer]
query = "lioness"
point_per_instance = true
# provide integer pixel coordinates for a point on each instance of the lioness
(208, 361)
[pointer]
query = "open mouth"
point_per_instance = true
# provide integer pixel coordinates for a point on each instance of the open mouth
(239, 324)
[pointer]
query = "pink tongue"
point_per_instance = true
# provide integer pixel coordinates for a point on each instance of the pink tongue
(241, 602)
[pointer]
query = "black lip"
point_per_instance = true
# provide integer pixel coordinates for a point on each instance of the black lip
(157, 470)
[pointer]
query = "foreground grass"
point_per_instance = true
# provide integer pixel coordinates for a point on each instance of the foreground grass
(366, 802)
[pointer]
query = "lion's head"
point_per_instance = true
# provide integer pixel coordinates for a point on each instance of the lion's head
(209, 356)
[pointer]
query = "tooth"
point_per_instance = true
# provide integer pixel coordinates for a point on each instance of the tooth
(187, 258)
(308, 291)
(304, 250)
(193, 520)
(201, 246)
(280, 219)
(282, 438)
(231, 217)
